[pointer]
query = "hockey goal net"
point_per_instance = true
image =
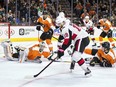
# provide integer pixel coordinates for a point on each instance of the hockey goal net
(4, 34)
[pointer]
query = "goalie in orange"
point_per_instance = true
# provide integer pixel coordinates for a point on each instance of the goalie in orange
(46, 23)
(104, 56)
(106, 31)
(33, 53)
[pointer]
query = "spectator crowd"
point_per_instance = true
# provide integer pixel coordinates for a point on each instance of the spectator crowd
(23, 12)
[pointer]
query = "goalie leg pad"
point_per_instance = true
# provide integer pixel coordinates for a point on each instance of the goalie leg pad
(23, 56)
(7, 50)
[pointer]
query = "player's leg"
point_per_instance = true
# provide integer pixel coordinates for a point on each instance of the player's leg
(110, 38)
(77, 55)
(102, 35)
(50, 45)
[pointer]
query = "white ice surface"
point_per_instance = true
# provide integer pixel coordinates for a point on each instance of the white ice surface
(14, 74)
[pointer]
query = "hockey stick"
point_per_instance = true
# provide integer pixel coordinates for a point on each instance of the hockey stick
(34, 76)
(44, 68)
(114, 38)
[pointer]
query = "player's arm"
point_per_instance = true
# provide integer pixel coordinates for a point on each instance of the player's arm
(91, 51)
(60, 41)
(39, 23)
(67, 39)
(106, 26)
(66, 42)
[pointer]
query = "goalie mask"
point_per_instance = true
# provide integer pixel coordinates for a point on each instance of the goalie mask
(42, 46)
(106, 47)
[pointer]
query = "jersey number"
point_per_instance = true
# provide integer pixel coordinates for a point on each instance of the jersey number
(75, 26)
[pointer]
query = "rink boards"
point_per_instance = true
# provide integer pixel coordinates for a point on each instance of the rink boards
(28, 34)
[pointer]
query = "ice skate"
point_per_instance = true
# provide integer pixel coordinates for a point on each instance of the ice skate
(88, 72)
(39, 61)
(72, 66)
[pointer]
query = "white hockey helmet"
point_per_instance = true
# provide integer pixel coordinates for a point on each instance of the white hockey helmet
(59, 21)
(62, 15)
(86, 17)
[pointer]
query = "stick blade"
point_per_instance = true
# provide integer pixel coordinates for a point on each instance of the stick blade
(29, 77)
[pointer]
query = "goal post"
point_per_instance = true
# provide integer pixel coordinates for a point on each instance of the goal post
(4, 31)
(4, 34)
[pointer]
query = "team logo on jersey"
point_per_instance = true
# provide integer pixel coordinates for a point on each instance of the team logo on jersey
(65, 35)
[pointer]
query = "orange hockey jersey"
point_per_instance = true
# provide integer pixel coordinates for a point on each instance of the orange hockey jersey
(47, 23)
(110, 56)
(34, 52)
(106, 24)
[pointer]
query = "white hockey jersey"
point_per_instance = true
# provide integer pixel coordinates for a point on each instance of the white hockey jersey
(72, 32)
(88, 24)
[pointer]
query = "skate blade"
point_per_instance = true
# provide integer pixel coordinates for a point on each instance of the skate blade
(88, 75)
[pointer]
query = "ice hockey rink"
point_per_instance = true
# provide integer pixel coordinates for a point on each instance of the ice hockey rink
(15, 74)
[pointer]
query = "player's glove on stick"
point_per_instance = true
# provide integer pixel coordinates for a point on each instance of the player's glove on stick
(60, 53)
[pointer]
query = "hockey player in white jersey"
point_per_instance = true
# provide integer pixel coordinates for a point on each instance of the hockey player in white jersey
(89, 29)
(71, 32)
(67, 22)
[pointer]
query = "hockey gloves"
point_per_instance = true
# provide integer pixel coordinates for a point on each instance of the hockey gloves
(105, 63)
(38, 27)
(60, 53)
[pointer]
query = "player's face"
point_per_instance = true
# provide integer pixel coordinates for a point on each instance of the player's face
(45, 16)
(60, 25)
(105, 50)
(87, 19)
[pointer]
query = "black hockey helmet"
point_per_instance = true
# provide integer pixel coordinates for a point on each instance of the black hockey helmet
(106, 45)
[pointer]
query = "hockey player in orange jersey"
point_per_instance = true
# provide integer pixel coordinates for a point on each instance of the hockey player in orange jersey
(46, 23)
(33, 53)
(105, 56)
(106, 31)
